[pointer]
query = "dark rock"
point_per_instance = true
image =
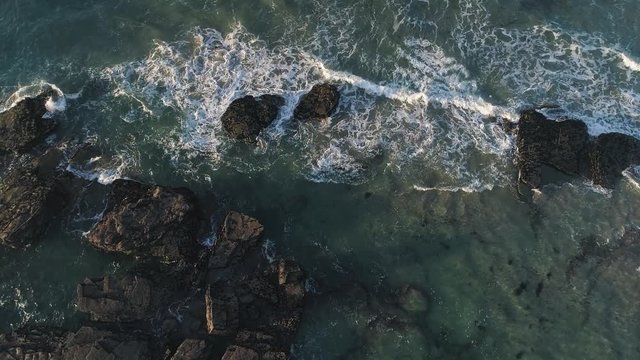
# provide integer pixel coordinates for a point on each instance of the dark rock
(31, 195)
(319, 103)
(240, 353)
(246, 117)
(567, 147)
(258, 302)
(192, 349)
(115, 298)
(559, 144)
(222, 311)
(22, 126)
(239, 234)
(610, 155)
(32, 344)
(149, 221)
(89, 344)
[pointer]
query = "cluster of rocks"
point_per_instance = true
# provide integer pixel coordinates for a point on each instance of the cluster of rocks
(566, 146)
(182, 300)
(246, 117)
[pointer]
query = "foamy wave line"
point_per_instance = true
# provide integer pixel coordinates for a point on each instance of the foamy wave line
(398, 93)
(454, 189)
(53, 105)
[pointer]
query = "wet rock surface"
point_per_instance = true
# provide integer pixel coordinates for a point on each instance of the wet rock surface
(257, 302)
(117, 298)
(193, 349)
(148, 221)
(32, 344)
(319, 103)
(31, 193)
(86, 344)
(246, 117)
(23, 125)
(567, 147)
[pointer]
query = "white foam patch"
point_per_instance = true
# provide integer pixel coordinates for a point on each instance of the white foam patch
(53, 104)
(429, 114)
(588, 77)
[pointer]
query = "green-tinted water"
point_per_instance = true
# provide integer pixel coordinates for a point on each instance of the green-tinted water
(410, 183)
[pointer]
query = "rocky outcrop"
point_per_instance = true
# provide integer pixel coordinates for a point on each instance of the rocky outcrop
(90, 343)
(567, 147)
(32, 344)
(86, 344)
(246, 117)
(23, 125)
(117, 298)
(193, 349)
(148, 221)
(258, 302)
(31, 195)
(319, 103)
(610, 154)
(239, 234)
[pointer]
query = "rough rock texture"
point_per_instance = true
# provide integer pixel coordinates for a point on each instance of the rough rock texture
(22, 126)
(239, 234)
(246, 117)
(92, 344)
(610, 155)
(121, 298)
(148, 221)
(319, 103)
(561, 145)
(86, 344)
(567, 147)
(258, 302)
(30, 196)
(32, 344)
(192, 349)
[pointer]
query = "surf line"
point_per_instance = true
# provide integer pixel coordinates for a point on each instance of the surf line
(471, 103)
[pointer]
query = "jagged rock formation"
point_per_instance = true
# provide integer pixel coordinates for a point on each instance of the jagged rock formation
(319, 103)
(246, 117)
(567, 147)
(148, 221)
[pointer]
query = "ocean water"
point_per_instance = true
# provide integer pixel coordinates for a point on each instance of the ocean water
(411, 183)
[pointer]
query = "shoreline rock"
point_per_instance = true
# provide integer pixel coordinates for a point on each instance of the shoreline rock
(23, 125)
(149, 221)
(246, 117)
(319, 103)
(567, 147)
(31, 194)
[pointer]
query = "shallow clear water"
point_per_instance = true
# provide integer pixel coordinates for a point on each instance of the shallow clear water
(410, 183)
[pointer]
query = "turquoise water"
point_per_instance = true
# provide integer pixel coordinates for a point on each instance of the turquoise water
(412, 182)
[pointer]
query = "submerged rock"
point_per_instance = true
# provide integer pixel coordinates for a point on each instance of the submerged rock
(412, 300)
(31, 195)
(319, 103)
(148, 221)
(567, 147)
(246, 117)
(23, 125)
